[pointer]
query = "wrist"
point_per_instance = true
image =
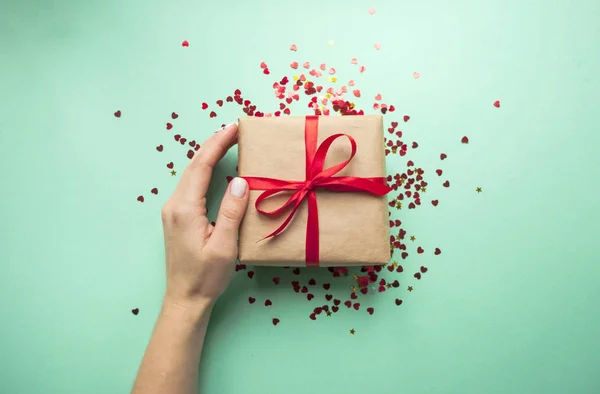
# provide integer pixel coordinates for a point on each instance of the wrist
(193, 311)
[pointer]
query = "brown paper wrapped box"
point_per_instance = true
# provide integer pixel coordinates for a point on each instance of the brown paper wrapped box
(353, 226)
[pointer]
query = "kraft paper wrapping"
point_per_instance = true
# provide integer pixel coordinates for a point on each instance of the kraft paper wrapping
(353, 227)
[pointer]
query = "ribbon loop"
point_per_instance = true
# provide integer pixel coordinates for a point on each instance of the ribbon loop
(316, 178)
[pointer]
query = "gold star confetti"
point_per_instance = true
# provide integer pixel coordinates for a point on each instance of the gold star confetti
(402, 180)
(328, 313)
(394, 149)
(353, 288)
(352, 331)
(332, 79)
(173, 173)
(398, 205)
(423, 189)
(352, 105)
(295, 77)
(395, 264)
(410, 288)
(355, 277)
(417, 170)
(412, 238)
(478, 190)
(328, 95)
(388, 285)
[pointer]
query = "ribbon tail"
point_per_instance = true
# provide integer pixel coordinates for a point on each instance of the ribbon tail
(312, 231)
(284, 224)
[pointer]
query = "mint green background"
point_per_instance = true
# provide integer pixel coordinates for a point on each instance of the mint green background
(511, 306)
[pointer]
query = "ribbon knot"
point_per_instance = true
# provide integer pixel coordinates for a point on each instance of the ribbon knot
(316, 178)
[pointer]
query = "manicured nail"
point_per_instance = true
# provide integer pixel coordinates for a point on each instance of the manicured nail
(227, 126)
(238, 187)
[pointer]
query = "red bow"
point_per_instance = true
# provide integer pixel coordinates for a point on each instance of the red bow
(316, 178)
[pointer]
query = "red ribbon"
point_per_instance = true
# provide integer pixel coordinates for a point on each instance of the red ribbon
(316, 178)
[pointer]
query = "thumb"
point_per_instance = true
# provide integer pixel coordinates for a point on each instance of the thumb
(233, 208)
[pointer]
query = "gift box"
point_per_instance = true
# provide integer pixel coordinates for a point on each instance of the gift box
(317, 191)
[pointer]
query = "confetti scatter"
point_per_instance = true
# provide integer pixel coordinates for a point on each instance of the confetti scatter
(497, 104)
(479, 190)
(314, 89)
(135, 311)
(185, 43)
(417, 75)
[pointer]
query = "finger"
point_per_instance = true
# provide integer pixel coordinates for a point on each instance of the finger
(196, 176)
(233, 208)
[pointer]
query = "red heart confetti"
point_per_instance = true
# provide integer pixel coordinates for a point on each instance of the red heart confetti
(408, 184)
(117, 114)
(446, 184)
(135, 311)
(140, 198)
(159, 148)
(185, 43)
(251, 300)
(169, 126)
(154, 191)
(418, 275)
(465, 140)
(497, 104)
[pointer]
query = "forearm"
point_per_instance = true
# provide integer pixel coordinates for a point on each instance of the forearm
(170, 364)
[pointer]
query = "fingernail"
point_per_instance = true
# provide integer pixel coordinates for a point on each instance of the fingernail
(238, 187)
(227, 126)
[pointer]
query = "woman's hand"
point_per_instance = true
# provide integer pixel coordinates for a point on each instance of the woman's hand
(200, 262)
(201, 258)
